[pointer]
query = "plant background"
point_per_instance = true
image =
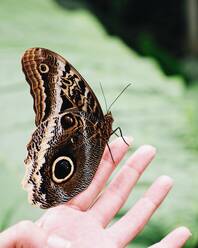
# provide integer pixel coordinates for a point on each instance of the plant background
(160, 108)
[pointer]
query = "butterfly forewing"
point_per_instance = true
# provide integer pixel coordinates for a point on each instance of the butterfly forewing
(56, 86)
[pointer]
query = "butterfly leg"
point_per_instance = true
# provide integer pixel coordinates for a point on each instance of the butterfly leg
(110, 153)
(121, 135)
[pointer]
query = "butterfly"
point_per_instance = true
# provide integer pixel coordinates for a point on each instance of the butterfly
(71, 130)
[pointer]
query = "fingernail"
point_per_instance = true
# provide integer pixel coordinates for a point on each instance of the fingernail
(165, 181)
(55, 241)
(149, 148)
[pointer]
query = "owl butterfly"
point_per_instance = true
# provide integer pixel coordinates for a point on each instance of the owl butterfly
(72, 131)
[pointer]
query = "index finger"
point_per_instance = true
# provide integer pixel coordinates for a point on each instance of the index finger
(105, 169)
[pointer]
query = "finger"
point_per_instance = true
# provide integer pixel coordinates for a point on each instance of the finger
(133, 222)
(23, 235)
(176, 239)
(119, 189)
(106, 167)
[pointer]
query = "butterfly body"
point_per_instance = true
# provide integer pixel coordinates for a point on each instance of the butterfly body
(72, 131)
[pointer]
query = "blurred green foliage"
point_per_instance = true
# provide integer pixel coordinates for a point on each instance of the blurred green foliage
(153, 28)
(156, 109)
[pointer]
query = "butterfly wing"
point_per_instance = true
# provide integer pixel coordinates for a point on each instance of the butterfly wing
(52, 142)
(56, 86)
(66, 148)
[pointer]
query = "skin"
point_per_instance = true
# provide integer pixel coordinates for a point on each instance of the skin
(84, 221)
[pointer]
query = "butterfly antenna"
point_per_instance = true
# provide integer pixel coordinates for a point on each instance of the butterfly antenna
(118, 96)
(105, 100)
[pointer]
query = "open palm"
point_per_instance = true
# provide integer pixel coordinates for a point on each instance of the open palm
(84, 221)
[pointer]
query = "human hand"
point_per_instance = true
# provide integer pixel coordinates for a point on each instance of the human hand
(83, 222)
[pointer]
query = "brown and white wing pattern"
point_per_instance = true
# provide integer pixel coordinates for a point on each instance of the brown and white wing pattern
(56, 86)
(66, 148)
